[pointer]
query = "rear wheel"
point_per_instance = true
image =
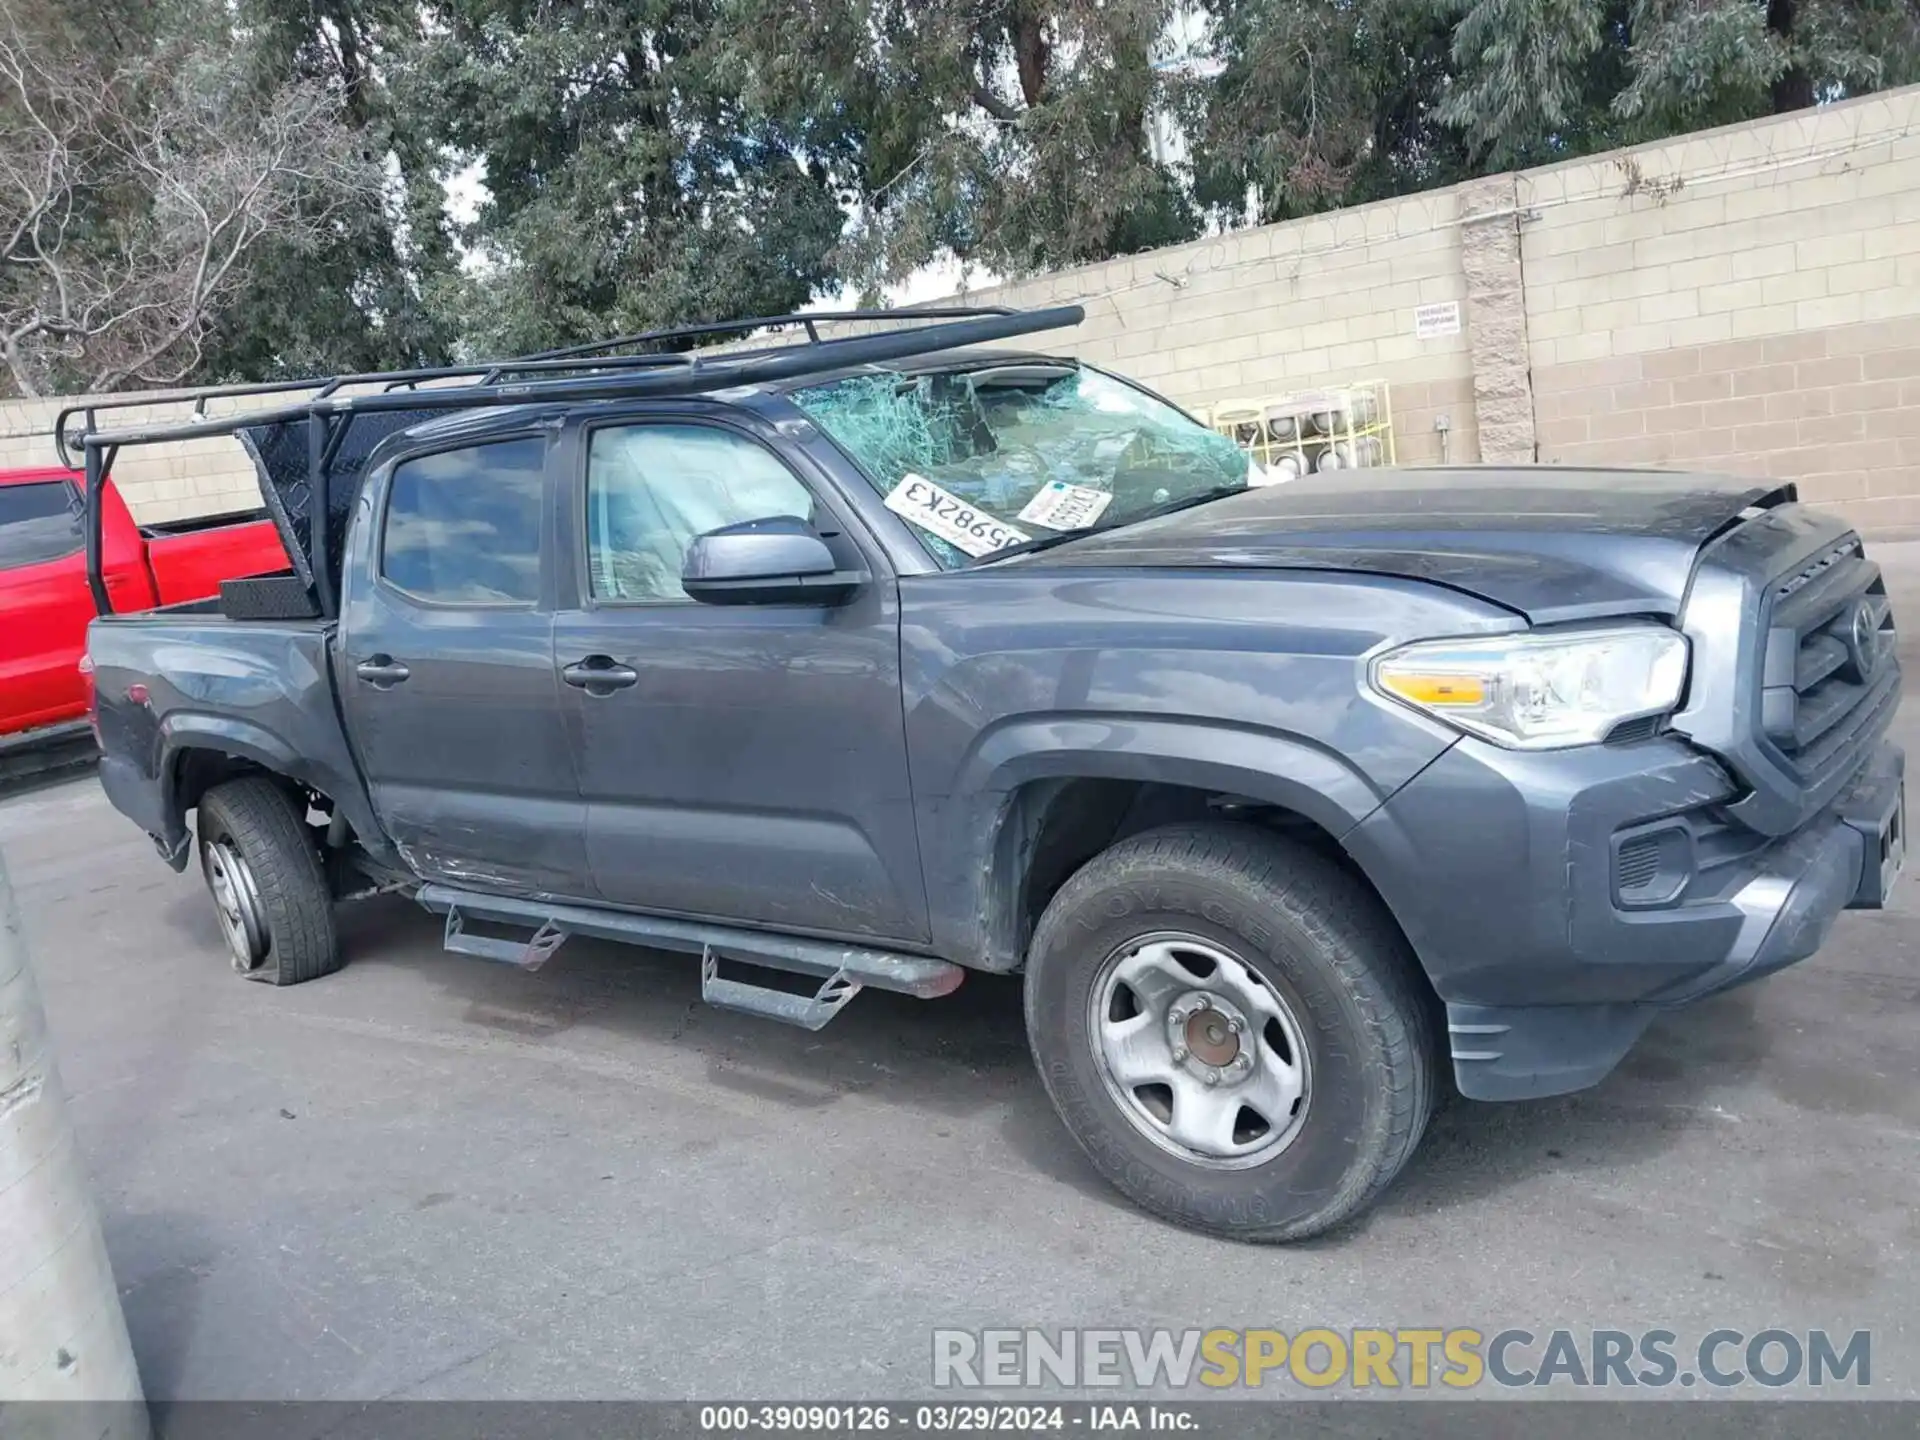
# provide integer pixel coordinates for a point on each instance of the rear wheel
(269, 889)
(1233, 1029)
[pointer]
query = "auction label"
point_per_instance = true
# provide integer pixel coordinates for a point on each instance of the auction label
(936, 511)
(1060, 506)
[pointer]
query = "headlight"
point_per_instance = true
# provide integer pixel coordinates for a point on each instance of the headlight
(1544, 690)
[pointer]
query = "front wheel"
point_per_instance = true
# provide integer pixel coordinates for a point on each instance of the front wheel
(269, 888)
(1233, 1029)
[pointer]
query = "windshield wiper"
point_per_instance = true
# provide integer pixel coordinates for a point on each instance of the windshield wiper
(1042, 542)
(1174, 507)
(1169, 507)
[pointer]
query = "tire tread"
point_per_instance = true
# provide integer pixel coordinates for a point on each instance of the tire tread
(1356, 935)
(277, 844)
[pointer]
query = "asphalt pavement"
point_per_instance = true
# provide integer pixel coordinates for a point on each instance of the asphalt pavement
(428, 1176)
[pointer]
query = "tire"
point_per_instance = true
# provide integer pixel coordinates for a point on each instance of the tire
(1304, 957)
(269, 889)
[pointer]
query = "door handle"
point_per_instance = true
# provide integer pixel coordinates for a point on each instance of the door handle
(383, 672)
(600, 675)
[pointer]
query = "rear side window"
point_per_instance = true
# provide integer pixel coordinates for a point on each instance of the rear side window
(38, 522)
(463, 526)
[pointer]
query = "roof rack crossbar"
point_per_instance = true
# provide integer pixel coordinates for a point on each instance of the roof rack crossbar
(593, 355)
(810, 321)
(548, 379)
(621, 377)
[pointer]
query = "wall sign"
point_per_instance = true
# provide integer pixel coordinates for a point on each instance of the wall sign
(1430, 322)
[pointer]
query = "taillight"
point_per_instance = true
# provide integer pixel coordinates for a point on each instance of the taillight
(86, 684)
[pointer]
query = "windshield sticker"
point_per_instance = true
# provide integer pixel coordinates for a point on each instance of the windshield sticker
(1060, 506)
(965, 527)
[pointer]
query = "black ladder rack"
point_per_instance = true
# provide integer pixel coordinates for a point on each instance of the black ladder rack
(578, 373)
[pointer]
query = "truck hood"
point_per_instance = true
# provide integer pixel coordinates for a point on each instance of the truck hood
(1552, 544)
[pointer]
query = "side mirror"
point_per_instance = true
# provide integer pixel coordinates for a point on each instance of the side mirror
(778, 561)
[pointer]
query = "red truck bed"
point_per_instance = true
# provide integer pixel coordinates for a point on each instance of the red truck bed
(44, 601)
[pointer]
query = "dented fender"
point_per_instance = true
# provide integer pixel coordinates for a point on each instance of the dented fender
(1499, 866)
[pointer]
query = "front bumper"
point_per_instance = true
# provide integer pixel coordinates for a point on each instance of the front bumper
(1559, 901)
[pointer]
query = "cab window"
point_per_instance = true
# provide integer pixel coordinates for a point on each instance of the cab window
(39, 521)
(652, 489)
(463, 526)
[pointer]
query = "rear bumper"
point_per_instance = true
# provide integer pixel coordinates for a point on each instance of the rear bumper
(1560, 901)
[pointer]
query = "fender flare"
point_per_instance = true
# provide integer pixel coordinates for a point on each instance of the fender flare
(973, 848)
(184, 731)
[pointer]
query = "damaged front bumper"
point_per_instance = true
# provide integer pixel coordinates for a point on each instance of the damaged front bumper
(1561, 901)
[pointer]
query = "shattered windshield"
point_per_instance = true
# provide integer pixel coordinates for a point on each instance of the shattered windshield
(981, 460)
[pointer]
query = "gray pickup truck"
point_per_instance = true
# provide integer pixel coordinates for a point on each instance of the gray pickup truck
(877, 658)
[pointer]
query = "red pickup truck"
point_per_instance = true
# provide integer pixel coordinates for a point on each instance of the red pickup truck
(45, 605)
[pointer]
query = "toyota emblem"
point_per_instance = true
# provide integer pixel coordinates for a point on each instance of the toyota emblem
(1864, 637)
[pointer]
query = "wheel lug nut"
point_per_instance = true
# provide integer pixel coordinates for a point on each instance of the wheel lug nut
(1233, 1024)
(1179, 1052)
(1212, 1077)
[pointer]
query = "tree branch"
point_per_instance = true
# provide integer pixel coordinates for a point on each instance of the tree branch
(133, 197)
(1005, 113)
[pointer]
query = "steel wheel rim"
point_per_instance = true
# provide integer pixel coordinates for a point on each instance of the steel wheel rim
(236, 900)
(1200, 1053)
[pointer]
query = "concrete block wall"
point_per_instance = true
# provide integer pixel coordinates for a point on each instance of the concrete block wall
(1745, 299)
(171, 482)
(1325, 301)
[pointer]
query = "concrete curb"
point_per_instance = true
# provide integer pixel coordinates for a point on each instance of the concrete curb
(63, 1336)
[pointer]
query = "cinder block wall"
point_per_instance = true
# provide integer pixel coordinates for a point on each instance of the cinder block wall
(1322, 301)
(171, 482)
(1745, 299)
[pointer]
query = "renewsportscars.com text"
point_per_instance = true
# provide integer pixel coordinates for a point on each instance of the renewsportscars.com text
(1415, 1359)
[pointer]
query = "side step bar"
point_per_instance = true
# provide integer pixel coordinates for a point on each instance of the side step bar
(843, 970)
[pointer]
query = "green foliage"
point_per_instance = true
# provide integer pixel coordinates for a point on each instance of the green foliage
(651, 162)
(1335, 102)
(1012, 133)
(366, 300)
(627, 187)
(1521, 77)
(1324, 103)
(1698, 65)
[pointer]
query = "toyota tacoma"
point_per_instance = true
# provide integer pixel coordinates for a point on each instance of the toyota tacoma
(876, 658)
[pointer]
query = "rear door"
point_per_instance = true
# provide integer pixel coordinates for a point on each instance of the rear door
(747, 762)
(446, 669)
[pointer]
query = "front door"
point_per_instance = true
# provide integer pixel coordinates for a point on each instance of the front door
(746, 762)
(446, 671)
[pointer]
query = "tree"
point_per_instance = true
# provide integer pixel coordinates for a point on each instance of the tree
(134, 189)
(1332, 102)
(625, 187)
(1706, 64)
(1014, 133)
(647, 162)
(1324, 103)
(365, 296)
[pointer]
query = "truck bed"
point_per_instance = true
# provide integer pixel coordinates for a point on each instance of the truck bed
(44, 585)
(189, 559)
(188, 685)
